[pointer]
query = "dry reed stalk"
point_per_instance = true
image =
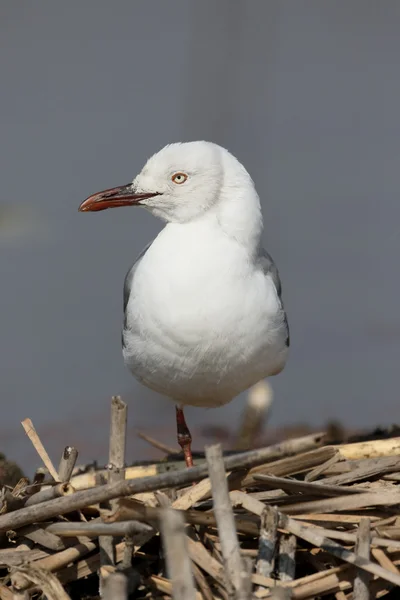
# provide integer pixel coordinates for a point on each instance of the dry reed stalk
(178, 562)
(202, 583)
(287, 557)
(156, 444)
(319, 488)
(204, 559)
(320, 470)
(97, 528)
(235, 569)
(370, 449)
(193, 494)
(267, 542)
(299, 462)
(364, 469)
(116, 587)
(107, 558)
(384, 560)
(56, 491)
(352, 537)
(362, 549)
(116, 457)
(40, 449)
(341, 503)
(67, 463)
(116, 464)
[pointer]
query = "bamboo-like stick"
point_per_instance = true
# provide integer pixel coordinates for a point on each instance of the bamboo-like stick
(364, 469)
(300, 462)
(202, 583)
(287, 557)
(59, 506)
(315, 473)
(56, 491)
(384, 560)
(370, 449)
(98, 528)
(193, 494)
(116, 458)
(176, 554)
(234, 566)
(267, 542)
(40, 449)
(107, 558)
(362, 549)
(116, 464)
(67, 463)
(348, 502)
(305, 487)
(202, 557)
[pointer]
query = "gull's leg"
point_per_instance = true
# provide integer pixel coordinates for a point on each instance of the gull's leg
(184, 437)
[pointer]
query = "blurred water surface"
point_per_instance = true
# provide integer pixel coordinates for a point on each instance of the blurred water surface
(307, 96)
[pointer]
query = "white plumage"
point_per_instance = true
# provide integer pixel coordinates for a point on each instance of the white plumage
(204, 320)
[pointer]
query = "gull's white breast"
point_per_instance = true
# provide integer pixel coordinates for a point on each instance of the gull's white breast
(203, 323)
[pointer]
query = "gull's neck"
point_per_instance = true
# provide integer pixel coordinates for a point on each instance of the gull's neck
(238, 210)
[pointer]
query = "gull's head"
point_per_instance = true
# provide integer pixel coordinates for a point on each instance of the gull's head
(179, 183)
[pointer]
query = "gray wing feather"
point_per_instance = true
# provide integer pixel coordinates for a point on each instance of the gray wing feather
(128, 284)
(130, 274)
(270, 268)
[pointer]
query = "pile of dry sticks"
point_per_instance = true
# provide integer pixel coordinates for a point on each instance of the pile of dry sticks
(297, 520)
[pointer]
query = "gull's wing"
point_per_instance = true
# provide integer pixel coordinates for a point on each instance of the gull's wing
(128, 282)
(270, 269)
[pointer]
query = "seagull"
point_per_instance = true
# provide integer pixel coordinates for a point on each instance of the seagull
(203, 313)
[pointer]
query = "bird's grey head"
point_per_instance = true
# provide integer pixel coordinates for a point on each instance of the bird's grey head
(179, 183)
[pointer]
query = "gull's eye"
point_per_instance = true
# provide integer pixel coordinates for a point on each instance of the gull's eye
(179, 178)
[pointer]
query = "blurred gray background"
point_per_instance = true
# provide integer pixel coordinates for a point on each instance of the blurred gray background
(306, 94)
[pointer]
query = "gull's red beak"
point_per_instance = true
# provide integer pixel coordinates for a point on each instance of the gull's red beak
(124, 195)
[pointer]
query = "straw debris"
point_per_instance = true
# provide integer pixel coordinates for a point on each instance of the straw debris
(300, 519)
